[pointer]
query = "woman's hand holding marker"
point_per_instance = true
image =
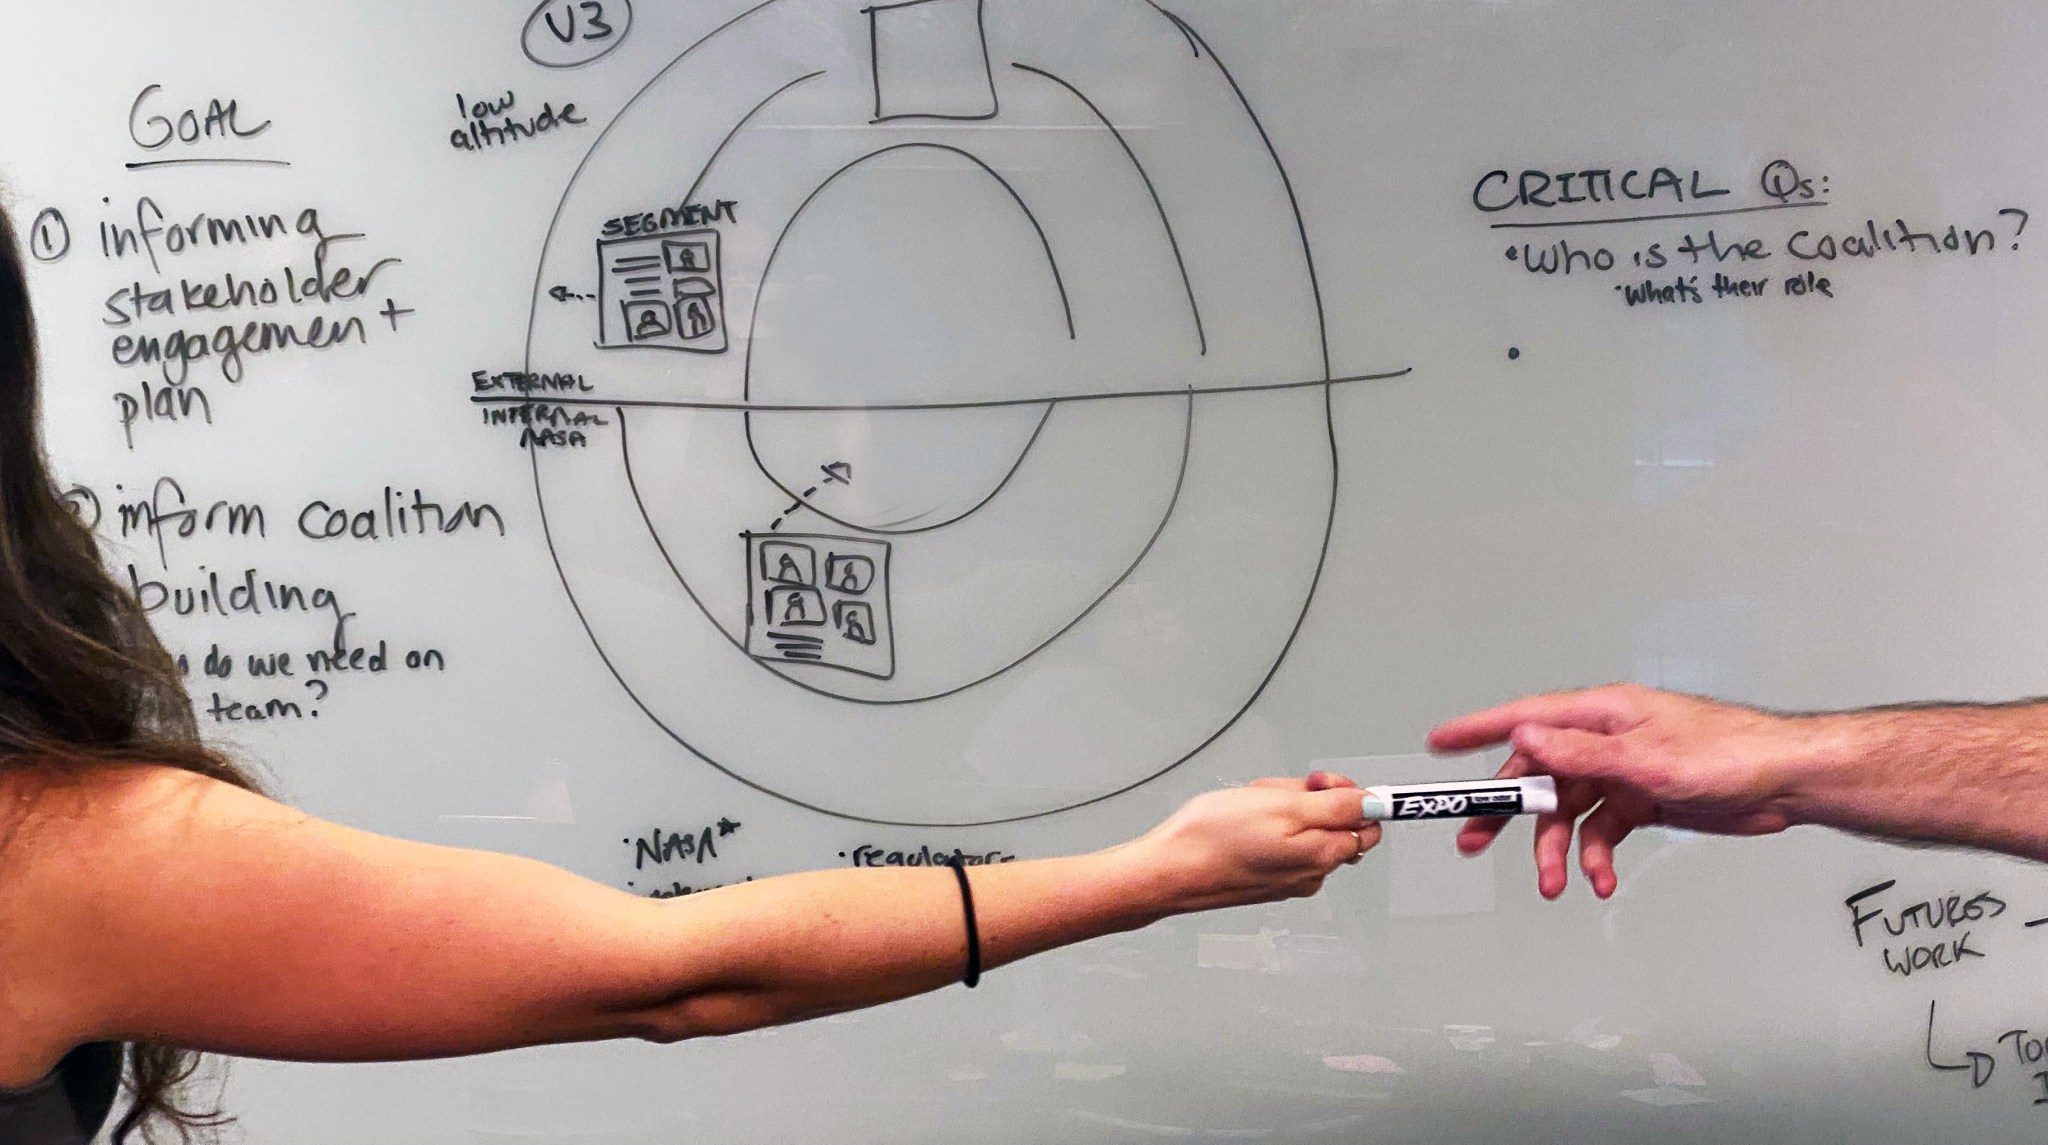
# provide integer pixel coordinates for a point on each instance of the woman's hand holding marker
(1277, 838)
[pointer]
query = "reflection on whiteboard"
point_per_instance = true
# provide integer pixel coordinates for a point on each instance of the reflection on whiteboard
(1025, 433)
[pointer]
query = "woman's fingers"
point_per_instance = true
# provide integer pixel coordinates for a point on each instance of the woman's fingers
(1337, 848)
(1334, 849)
(1338, 809)
(1359, 840)
(1313, 781)
(1282, 783)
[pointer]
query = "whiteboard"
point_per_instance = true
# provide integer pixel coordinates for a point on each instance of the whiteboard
(688, 443)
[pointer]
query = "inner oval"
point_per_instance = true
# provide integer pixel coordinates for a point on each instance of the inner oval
(913, 278)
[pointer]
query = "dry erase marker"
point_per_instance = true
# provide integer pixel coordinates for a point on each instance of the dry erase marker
(1534, 795)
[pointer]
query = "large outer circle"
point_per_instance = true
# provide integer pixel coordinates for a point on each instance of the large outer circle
(1130, 590)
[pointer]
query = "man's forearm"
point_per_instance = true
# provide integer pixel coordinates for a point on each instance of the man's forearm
(1973, 775)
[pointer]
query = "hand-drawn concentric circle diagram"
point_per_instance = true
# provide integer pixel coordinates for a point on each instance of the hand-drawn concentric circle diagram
(956, 401)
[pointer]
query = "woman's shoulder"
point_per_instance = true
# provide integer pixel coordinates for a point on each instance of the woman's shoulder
(71, 840)
(69, 832)
(60, 796)
(49, 810)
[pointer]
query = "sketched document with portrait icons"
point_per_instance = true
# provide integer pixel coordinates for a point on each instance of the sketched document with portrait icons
(823, 600)
(662, 290)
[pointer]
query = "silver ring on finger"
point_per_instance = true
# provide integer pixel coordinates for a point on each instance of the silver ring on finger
(1359, 854)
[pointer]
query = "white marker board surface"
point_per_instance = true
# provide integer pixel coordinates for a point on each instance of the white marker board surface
(705, 441)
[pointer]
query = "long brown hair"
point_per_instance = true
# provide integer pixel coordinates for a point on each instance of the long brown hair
(92, 685)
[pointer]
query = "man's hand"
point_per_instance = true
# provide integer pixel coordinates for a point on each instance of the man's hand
(1626, 756)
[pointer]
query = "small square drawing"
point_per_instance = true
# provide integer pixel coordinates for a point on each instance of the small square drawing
(841, 620)
(849, 573)
(648, 321)
(930, 60)
(855, 621)
(687, 257)
(787, 562)
(792, 607)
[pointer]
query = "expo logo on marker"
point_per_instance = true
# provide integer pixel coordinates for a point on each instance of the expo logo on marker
(1450, 804)
(1432, 806)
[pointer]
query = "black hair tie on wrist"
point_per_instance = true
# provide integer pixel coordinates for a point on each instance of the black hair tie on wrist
(973, 976)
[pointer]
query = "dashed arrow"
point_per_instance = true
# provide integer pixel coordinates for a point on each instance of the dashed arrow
(793, 507)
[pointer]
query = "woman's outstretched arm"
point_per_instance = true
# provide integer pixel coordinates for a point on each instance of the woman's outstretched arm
(149, 904)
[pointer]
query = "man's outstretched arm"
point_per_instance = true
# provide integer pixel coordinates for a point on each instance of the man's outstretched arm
(1626, 756)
